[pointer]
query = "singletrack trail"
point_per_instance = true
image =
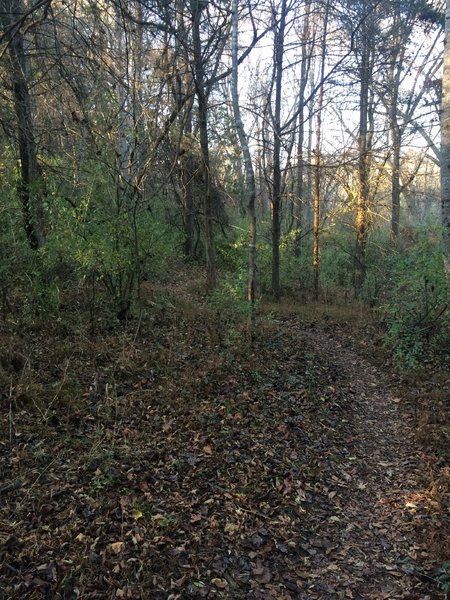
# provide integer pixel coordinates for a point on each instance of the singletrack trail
(373, 547)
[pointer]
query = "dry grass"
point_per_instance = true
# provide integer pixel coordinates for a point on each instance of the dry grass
(317, 311)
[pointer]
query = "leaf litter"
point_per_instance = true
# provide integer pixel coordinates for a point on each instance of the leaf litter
(175, 465)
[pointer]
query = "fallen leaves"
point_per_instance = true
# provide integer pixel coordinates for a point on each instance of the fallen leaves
(204, 476)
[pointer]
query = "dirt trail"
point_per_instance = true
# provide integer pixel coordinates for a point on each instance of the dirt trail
(378, 471)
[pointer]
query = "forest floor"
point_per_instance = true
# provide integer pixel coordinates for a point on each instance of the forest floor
(165, 458)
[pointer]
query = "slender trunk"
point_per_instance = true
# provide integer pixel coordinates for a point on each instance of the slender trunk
(28, 191)
(316, 214)
(186, 159)
(394, 75)
(362, 200)
(300, 174)
(445, 135)
(395, 182)
(276, 190)
(317, 166)
(308, 192)
(202, 105)
(263, 167)
(250, 174)
(187, 175)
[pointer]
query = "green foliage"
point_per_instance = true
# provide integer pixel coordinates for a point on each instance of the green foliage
(407, 281)
(335, 272)
(14, 255)
(93, 237)
(417, 294)
(443, 578)
(230, 294)
(27, 281)
(232, 253)
(117, 243)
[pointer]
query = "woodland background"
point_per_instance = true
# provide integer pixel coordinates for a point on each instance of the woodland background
(121, 154)
(224, 325)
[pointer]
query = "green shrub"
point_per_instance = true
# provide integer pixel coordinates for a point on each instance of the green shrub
(417, 303)
(231, 293)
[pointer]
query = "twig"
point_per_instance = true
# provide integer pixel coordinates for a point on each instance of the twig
(10, 413)
(10, 487)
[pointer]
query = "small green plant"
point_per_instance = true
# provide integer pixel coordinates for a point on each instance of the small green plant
(104, 475)
(230, 295)
(146, 508)
(443, 578)
(102, 481)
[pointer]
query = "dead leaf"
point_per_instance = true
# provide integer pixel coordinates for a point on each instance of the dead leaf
(334, 519)
(137, 514)
(219, 583)
(117, 547)
(196, 518)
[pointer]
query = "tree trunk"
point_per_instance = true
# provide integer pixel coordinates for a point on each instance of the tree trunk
(29, 192)
(250, 174)
(394, 75)
(308, 212)
(445, 135)
(202, 102)
(317, 166)
(187, 174)
(395, 181)
(300, 174)
(184, 88)
(362, 200)
(276, 189)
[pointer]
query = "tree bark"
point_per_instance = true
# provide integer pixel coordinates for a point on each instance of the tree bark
(29, 187)
(183, 89)
(394, 75)
(317, 166)
(276, 189)
(364, 137)
(445, 135)
(202, 105)
(250, 174)
(300, 174)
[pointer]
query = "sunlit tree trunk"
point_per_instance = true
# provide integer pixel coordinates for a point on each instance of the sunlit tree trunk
(364, 148)
(445, 134)
(317, 165)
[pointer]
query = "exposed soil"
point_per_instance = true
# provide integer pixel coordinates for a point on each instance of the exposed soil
(171, 461)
